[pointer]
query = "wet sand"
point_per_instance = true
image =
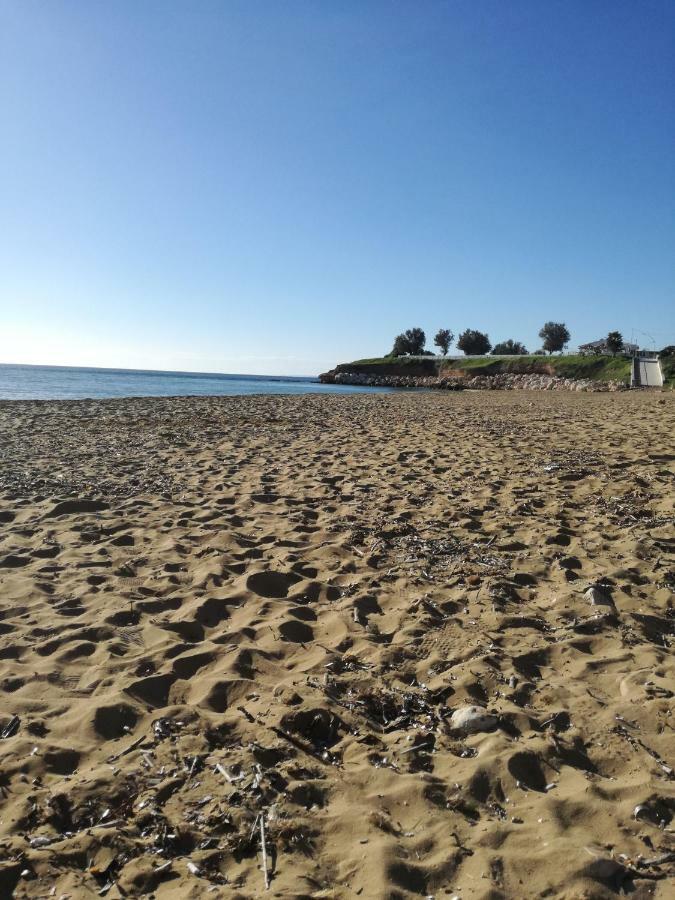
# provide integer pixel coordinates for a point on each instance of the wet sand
(220, 609)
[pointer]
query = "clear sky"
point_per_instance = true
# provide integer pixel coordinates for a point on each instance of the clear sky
(275, 187)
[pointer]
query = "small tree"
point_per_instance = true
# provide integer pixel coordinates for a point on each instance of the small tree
(473, 343)
(555, 336)
(411, 342)
(509, 348)
(614, 342)
(400, 347)
(444, 337)
(416, 340)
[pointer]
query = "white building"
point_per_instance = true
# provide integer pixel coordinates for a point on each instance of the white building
(600, 348)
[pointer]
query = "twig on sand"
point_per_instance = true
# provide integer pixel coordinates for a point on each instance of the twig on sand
(128, 749)
(299, 744)
(417, 747)
(192, 769)
(231, 778)
(11, 727)
(254, 826)
(263, 845)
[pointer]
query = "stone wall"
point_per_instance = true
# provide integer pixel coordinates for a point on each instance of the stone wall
(501, 382)
(394, 381)
(538, 382)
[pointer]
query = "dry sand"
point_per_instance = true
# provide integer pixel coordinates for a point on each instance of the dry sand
(213, 609)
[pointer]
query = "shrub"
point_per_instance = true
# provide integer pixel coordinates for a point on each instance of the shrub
(509, 348)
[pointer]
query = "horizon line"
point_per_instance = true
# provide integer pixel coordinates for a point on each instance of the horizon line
(159, 371)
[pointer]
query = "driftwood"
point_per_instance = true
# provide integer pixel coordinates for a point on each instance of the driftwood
(263, 845)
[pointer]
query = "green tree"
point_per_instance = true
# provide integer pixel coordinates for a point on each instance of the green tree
(444, 337)
(416, 340)
(473, 343)
(409, 343)
(509, 348)
(555, 336)
(400, 347)
(614, 342)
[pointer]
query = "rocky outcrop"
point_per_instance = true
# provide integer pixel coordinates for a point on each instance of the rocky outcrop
(532, 381)
(539, 382)
(366, 379)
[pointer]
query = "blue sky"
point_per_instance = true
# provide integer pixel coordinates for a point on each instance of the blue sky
(276, 187)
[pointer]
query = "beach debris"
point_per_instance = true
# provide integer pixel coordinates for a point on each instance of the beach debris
(637, 744)
(263, 847)
(660, 860)
(231, 778)
(166, 727)
(559, 721)
(424, 745)
(325, 757)
(319, 726)
(11, 727)
(129, 749)
(657, 811)
(41, 840)
(165, 867)
(472, 719)
(642, 811)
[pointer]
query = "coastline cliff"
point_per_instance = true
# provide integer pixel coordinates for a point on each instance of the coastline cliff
(485, 373)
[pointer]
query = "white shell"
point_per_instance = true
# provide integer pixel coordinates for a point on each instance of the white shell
(471, 719)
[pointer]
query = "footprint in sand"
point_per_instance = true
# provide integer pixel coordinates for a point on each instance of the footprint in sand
(272, 584)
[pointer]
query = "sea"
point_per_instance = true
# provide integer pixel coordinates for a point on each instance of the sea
(75, 383)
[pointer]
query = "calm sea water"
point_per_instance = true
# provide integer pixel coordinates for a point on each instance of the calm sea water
(65, 383)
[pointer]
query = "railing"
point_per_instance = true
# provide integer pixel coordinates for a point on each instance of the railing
(486, 356)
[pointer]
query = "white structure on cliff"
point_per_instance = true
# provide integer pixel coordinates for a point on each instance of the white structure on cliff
(600, 347)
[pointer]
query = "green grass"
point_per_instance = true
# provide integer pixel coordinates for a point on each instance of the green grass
(597, 368)
(668, 369)
(389, 361)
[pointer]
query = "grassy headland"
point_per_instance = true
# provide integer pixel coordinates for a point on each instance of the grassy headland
(598, 368)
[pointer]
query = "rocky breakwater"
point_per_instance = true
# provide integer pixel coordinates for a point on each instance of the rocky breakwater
(532, 381)
(536, 381)
(367, 379)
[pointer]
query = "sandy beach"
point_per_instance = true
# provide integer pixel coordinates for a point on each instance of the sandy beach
(229, 622)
